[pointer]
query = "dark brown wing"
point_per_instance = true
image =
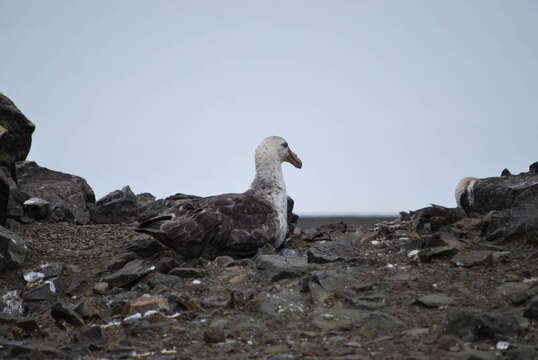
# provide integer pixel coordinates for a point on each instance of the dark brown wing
(229, 224)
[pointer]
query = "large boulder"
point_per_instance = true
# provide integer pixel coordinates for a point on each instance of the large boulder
(15, 132)
(12, 249)
(119, 206)
(70, 197)
(510, 205)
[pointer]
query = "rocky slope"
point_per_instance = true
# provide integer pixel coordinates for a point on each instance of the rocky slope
(77, 282)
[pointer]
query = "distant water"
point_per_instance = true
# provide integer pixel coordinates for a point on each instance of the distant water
(367, 221)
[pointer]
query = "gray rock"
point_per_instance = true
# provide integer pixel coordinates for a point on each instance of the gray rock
(165, 282)
(119, 206)
(374, 321)
(36, 208)
(129, 273)
(277, 267)
(340, 250)
(144, 199)
(434, 300)
(286, 305)
(15, 131)
(12, 249)
(436, 252)
(473, 258)
(100, 288)
(521, 352)
(471, 326)
(42, 292)
(70, 196)
(144, 245)
(187, 273)
(4, 196)
(532, 310)
(323, 286)
(64, 315)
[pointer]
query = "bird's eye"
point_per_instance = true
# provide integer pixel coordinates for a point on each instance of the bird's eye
(285, 144)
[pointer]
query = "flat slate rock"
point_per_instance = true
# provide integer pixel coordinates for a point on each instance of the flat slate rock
(434, 300)
(129, 273)
(473, 258)
(340, 250)
(436, 252)
(277, 267)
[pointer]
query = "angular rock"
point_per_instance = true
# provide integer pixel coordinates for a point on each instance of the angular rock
(277, 267)
(434, 300)
(186, 273)
(100, 288)
(473, 258)
(144, 245)
(119, 206)
(532, 310)
(372, 321)
(214, 335)
(436, 252)
(286, 305)
(91, 335)
(329, 285)
(340, 250)
(4, 197)
(36, 208)
(15, 132)
(165, 282)
(144, 199)
(64, 315)
(70, 196)
(42, 292)
(129, 273)
(145, 303)
(471, 326)
(13, 249)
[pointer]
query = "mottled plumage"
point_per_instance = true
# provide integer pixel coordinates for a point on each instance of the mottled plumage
(232, 224)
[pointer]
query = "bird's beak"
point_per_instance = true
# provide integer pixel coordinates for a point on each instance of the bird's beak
(294, 159)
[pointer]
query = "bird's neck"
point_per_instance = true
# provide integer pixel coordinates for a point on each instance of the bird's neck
(269, 181)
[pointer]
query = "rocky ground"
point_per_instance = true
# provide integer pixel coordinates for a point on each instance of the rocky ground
(77, 282)
(336, 292)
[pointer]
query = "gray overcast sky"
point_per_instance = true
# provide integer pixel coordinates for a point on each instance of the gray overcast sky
(388, 103)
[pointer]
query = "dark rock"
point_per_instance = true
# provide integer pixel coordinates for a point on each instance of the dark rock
(326, 286)
(144, 199)
(144, 245)
(521, 352)
(119, 206)
(12, 249)
(188, 273)
(433, 218)
(506, 172)
(36, 208)
(214, 335)
(436, 252)
(88, 309)
(435, 300)
(292, 218)
(4, 197)
(277, 267)
(117, 303)
(533, 168)
(15, 131)
(129, 273)
(30, 327)
(70, 196)
(42, 292)
(166, 282)
(120, 261)
(471, 326)
(166, 264)
(64, 315)
(341, 250)
(31, 350)
(532, 310)
(473, 258)
(91, 335)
